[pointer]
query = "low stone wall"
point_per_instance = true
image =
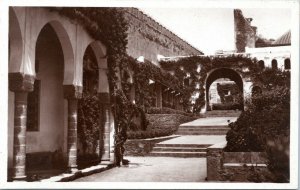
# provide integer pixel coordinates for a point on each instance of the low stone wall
(168, 122)
(234, 166)
(141, 147)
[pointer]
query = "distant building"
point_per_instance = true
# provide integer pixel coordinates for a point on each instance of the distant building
(277, 55)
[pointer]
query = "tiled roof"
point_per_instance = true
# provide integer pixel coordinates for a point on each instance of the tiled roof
(285, 39)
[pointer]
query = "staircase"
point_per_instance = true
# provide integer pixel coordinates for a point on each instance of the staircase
(223, 113)
(203, 130)
(179, 150)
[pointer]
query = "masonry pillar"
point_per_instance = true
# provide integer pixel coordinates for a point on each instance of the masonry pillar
(72, 94)
(105, 125)
(20, 84)
(158, 95)
(132, 93)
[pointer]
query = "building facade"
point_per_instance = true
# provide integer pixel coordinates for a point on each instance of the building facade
(46, 63)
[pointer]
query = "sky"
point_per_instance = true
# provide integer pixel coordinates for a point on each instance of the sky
(211, 29)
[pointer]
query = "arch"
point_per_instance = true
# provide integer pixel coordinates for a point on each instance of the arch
(67, 49)
(222, 73)
(287, 64)
(261, 64)
(90, 70)
(99, 51)
(274, 64)
(16, 45)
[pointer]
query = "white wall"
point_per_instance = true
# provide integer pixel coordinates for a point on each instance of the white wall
(50, 136)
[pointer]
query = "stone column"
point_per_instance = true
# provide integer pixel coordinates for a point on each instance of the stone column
(20, 84)
(72, 94)
(105, 125)
(132, 93)
(158, 95)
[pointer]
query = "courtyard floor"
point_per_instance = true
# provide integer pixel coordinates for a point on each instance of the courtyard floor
(166, 169)
(154, 169)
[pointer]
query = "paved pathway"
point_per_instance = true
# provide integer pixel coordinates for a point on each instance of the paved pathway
(154, 169)
(210, 121)
(166, 169)
(196, 139)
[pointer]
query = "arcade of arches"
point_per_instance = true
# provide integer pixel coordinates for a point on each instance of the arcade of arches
(45, 83)
(52, 63)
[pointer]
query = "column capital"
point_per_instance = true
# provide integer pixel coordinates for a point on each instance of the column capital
(72, 92)
(19, 82)
(104, 97)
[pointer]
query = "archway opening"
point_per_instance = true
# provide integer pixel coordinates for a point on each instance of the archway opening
(46, 140)
(224, 90)
(274, 64)
(89, 125)
(287, 64)
(261, 64)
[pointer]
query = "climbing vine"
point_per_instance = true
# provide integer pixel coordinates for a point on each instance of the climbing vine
(109, 26)
(196, 69)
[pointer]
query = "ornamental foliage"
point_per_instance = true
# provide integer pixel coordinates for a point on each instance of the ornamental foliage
(109, 26)
(265, 126)
(197, 68)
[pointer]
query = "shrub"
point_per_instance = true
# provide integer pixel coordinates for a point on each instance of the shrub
(165, 110)
(265, 126)
(88, 121)
(227, 106)
(148, 134)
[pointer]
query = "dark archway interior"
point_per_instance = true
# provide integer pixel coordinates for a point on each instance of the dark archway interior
(287, 64)
(274, 64)
(90, 71)
(223, 73)
(261, 64)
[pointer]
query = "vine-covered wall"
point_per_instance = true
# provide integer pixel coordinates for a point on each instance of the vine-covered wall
(197, 69)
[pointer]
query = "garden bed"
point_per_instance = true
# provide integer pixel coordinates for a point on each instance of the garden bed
(235, 166)
(160, 125)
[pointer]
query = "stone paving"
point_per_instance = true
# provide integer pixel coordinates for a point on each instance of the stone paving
(166, 169)
(154, 169)
(210, 121)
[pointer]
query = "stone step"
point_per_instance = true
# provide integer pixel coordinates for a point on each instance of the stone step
(203, 129)
(178, 154)
(220, 113)
(224, 111)
(183, 145)
(202, 126)
(178, 149)
(203, 133)
(231, 115)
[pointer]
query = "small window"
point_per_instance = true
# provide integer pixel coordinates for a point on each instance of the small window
(274, 64)
(287, 64)
(33, 102)
(261, 64)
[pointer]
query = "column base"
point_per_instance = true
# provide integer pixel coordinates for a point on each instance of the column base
(72, 170)
(20, 178)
